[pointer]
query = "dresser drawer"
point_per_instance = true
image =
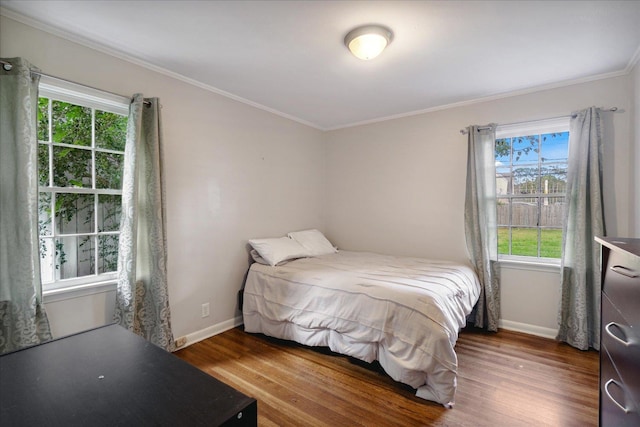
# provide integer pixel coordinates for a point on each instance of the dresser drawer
(622, 343)
(616, 407)
(622, 285)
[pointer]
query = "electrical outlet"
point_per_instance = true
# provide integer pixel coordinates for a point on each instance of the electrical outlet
(205, 309)
(180, 342)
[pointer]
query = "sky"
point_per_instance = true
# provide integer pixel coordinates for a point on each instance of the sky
(552, 147)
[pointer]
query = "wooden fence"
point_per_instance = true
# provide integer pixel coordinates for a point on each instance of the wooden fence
(526, 214)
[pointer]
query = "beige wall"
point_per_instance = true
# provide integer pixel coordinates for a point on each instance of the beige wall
(398, 186)
(233, 172)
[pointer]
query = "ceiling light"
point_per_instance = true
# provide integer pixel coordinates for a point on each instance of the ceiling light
(369, 41)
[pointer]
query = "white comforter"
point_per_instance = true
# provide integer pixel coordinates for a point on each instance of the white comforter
(403, 312)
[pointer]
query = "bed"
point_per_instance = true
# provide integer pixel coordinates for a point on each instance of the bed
(403, 312)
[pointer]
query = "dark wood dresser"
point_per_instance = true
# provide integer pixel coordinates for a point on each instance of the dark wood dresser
(620, 332)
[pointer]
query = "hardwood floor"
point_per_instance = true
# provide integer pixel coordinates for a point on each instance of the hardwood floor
(504, 379)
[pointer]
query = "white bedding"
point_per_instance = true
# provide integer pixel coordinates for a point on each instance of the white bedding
(403, 312)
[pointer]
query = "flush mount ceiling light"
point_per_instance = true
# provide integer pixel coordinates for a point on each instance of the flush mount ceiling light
(368, 41)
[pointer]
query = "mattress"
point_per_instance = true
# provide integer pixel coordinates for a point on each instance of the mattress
(404, 312)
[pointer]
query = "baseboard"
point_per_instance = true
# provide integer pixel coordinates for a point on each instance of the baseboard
(221, 327)
(205, 333)
(526, 328)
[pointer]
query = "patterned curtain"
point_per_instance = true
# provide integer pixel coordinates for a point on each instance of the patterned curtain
(480, 221)
(23, 320)
(579, 317)
(142, 298)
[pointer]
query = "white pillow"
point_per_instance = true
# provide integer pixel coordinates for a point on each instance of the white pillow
(257, 258)
(279, 249)
(313, 241)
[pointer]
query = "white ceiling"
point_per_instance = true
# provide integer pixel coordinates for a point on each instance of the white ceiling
(288, 56)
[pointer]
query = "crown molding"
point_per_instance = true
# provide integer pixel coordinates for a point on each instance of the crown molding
(493, 97)
(633, 61)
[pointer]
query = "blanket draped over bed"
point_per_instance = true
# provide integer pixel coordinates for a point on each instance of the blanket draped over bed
(403, 312)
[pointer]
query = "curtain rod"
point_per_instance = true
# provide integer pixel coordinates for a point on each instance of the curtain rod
(8, 66)
(466, 130)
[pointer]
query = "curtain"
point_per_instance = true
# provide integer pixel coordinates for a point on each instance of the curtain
(579, 317)
(142, 298)
(23, 320)
(480, 224)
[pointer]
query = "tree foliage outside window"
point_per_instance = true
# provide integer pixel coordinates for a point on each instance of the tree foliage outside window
(531, 178)
(80, 161)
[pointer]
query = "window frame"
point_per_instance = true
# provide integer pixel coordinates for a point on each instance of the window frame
(65, 91)
(538, 127)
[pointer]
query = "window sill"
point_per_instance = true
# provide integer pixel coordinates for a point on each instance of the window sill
(550, 265)
(78, 291)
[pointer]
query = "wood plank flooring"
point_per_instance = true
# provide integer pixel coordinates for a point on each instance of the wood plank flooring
(504, 379)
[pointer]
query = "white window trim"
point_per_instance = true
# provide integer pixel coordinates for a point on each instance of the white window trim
(557, 125)
(530, 263)
(66, 91)
(62, 90)
(78, 291)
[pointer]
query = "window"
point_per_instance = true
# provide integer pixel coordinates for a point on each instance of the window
(531, 178)
(81, 140)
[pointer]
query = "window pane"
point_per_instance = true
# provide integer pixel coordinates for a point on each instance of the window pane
(531, 181)
(525, 180)
(554, 147)
(503, 240)
(503, 207)
(524, 241)
(44, 214)
(43, 165)
(503, 151)
(43, 119)
(109, 170)
(108, 253)
(47, 256)
(109, 211)
(503, 180)
(111, 130)
(75, 256)
(552, 211)
(524, 211)
(80, 150)
(525, 149)
(71, 124)
(554, 178)
(74, 213)
(550, 243)
(71, 167)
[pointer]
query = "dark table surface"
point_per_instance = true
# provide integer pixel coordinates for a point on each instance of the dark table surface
(111, 377)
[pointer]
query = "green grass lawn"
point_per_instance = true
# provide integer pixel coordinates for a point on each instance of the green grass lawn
(525, 242)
